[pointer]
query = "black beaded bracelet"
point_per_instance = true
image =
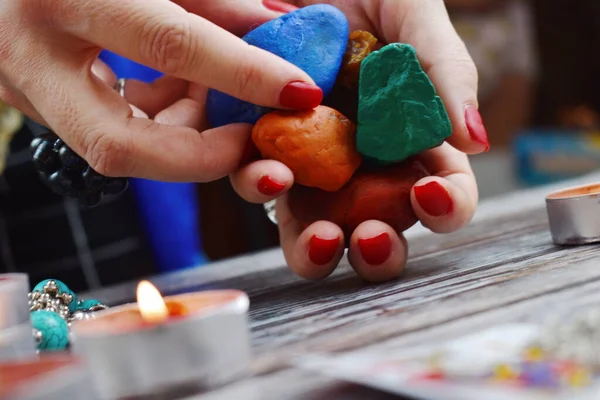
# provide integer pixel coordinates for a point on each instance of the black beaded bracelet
(67, 174)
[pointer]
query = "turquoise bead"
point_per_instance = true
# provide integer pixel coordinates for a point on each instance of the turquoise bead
(54, 330)
(62, 289)
(85, 305)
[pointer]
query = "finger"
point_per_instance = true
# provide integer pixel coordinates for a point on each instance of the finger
(426, 26)
(185, 112)
(376, 252)
(262, 181)
(312, 253)
(155, 96)
(104, 73)
(162, 35)
(445, 201)
(237, 16)
(100, 126)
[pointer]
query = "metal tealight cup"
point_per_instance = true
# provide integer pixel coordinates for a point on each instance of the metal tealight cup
(574, 215)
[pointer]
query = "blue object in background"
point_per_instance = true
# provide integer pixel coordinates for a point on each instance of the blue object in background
(169, 210)
(547, 156)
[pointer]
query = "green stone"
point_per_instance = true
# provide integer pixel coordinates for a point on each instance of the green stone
(399, 112)
(53, 329)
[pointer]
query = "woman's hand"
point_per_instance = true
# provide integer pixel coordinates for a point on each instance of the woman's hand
(444, 202)
(48, 70)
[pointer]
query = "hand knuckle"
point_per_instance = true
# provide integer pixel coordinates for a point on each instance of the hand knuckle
(108, 155)
(167, 45)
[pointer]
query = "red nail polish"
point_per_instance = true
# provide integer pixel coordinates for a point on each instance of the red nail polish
(250, 153)
(269, 187)
(300, 96)
(279, 6)
(321, 251)
(375, 250)
(475, 126)
(434, 199)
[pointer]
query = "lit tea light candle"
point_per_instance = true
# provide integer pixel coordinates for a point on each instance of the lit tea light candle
(16, 337)
(49, 377)
(193, 341)
(152, 307)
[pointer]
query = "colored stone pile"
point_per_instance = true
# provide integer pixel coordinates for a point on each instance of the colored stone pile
(353, 157)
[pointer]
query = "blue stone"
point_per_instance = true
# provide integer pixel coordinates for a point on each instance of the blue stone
(313, 38)
(85, 305)
(54, 329)
(62, 292)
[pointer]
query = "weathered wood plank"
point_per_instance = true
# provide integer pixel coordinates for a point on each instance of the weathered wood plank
(424, 273)
(256, 273)
(377, 319)
(563, 286)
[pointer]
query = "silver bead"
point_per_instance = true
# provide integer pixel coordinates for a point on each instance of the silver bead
(79, 316)
(51, 288)
(66, 298)
(37, 335)
(97, 307)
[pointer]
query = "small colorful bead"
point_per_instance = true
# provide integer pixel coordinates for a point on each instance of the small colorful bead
(53, 330)
(579, 377)
(534, 354)
(539, 374)
(505, 372)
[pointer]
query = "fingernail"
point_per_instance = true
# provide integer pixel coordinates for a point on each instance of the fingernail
(375, 250)
(250, 153)
(321, 251)
(433, 199)
(279, 6)
(475, 126)
(300, 95)
(269, 187)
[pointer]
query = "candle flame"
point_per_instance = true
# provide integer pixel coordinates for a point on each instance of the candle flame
(151, 303)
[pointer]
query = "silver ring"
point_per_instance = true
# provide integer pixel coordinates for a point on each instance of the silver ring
(120, 86)
(269, 207)
(574, 215)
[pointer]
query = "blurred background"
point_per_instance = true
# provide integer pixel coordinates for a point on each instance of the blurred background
(538, 62)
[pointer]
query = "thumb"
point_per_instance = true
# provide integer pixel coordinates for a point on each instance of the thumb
(237, 16)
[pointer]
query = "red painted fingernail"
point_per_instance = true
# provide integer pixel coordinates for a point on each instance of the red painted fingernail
(375, 250)
(321, 251)
(250, 153)
(279, 6)
(269, 187)
(475, 126)
(434, 199)
(300, 95)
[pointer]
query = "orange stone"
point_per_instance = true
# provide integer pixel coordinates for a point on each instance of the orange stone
(317, 145)
(381, 194)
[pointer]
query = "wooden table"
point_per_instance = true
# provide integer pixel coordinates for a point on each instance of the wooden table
(502, 267)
